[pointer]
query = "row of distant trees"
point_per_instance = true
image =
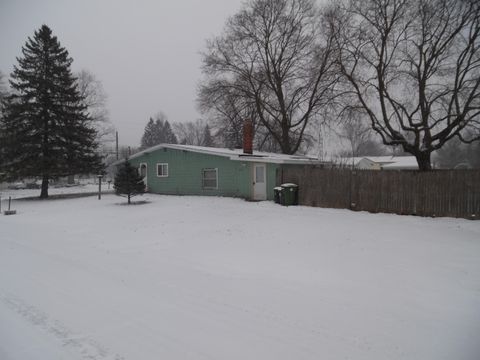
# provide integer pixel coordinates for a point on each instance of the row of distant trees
(158, 130)
(408, 69)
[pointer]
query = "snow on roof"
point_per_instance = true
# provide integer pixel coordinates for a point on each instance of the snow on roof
(402, 162)
(350, 160)
(235, 154)
(387, 162)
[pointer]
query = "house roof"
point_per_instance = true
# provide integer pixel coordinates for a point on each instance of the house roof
(402, 162)
(235, 154)
(387, 162)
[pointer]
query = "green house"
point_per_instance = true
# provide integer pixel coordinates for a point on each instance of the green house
(196, 170)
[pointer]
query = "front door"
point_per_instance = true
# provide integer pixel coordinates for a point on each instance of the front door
(259, 182)
(142, 170)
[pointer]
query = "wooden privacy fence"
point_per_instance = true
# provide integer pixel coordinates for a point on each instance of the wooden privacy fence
(454, 193)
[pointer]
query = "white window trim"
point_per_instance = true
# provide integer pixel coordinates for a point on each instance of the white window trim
(216, 179)
(162, 164)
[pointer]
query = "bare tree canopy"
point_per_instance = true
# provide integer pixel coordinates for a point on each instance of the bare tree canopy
(226, 110)
(355, 130)
(3, 86)
(274, 56)
(95, 99)
(413, 67)
(458, 155)
(193, 133)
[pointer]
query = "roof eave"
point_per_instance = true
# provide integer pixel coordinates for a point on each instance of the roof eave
(276, 161)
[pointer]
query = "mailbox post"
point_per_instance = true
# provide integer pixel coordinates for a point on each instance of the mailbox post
(100, 187)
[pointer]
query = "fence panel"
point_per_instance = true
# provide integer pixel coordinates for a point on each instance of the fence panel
(454, 193)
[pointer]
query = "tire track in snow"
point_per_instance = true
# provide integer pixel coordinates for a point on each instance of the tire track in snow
(87, 347)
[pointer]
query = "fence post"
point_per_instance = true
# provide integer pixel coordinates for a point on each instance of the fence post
(353, 200)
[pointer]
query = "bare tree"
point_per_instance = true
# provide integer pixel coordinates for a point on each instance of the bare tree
(413, 66)
(357, 134)
(456, 154)
(190, 133)
(354, 129)
(3, 86)
(226, 110)
(274, 55)
(91, 89)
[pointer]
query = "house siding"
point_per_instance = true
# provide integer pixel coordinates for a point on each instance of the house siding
(271, 179)
(185, 174)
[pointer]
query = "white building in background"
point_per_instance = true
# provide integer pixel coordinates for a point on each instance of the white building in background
(382, 162)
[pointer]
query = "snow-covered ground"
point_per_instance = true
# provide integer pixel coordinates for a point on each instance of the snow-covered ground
(218, 278)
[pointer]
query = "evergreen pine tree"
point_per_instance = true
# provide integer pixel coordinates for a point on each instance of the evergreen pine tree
(157, 132)
(47, 131)
(149, 137)
(168, 135)
(3, 94)
(158, 136)
(207, 137)
(128, 182)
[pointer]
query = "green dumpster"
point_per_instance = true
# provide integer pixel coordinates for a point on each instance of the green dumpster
(289, 194)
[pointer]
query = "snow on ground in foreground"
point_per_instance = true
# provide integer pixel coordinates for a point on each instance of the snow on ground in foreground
(218, 278)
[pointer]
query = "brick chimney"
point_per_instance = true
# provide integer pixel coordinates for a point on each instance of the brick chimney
(248, 136)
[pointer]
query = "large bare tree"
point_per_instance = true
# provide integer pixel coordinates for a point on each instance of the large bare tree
(274, 55)
(190, 133)
(413, 68)
(95, 99)
(3, 86)
(226, 110)
(357, 133)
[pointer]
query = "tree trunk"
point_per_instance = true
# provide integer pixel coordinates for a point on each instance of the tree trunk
(128, 196)
(285, 145)
(423, 160)
(71, 179)
(44, 192)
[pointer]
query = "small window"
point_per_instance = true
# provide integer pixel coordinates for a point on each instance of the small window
(162, 170)
(259, 174)
(209, 178)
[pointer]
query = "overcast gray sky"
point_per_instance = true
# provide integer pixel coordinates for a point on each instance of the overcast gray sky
(145, 52)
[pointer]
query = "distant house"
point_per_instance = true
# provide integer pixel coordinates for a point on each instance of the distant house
(196, 170)
(383, 162)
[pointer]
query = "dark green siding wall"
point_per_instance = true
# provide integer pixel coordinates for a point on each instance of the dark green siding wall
(271, 179)
(185, 174)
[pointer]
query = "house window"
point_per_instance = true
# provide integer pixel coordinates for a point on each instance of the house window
(259, 174)
(162, 170)
(210, 178)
